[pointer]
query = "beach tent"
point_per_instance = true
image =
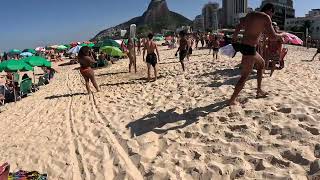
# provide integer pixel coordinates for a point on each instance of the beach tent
(30, 51)
(74, 50)
(26, 54)
(112, 51)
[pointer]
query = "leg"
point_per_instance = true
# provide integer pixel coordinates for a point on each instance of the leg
(259, 62)
(247, 66)
(86, 78)
(155, 72)
(314, 56)
(182, 64)
(148, 65)
(93, 81)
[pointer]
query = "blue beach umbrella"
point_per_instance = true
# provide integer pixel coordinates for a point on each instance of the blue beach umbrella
(26, 54)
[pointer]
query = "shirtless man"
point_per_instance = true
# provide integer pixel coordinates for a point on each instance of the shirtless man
(183, 48)
(318, 51)
(253, 24)
(151, 57)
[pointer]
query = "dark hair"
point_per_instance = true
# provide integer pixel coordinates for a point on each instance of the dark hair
(150, 36)
(182, 33)
(84, 51)
(267, 7)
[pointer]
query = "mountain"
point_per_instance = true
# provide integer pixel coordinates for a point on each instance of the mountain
(155, 18)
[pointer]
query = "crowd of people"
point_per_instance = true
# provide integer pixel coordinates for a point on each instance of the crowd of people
(261, 47)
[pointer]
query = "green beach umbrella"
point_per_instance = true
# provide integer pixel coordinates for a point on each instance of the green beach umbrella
(15, 51)
(107, 42)
(112, 51)
(15, 65)
(89, 45)
(67, 45)
(37, 61)
(62, 47)
(30, 51)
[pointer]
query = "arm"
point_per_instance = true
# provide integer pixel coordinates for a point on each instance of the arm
(270, 30)
(237, 30)
(90, 59)
(144, 53)
(157, 53)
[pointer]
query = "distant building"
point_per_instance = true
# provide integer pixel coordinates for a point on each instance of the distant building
(198, 23)
(210, 16)
(283, 10)
(232, 10)
(296, 23)
(313, 12)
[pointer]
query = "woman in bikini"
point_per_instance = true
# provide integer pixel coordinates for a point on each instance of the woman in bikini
(86, 60)
(131, 55)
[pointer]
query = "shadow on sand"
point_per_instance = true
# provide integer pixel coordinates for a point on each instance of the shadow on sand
(114, 73)
(65, 95)
(231, 76)
(152, 121)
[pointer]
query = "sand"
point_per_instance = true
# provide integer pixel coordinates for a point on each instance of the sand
(178, 127)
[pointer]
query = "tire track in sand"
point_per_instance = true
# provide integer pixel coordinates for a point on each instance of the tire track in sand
(116, 147)
(79, 167)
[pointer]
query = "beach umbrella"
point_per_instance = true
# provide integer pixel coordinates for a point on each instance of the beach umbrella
(107, 42)
(26, 54)
(89, 45)
(14, 66)
(293, 39)
(74, 50)
(54, 46)
(68, 46)
(61, 47)
(30, 51)
(37, 61)
(40, 49)
(112, 51)
(15, 51)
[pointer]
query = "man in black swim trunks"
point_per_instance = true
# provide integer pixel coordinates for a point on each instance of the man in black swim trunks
(253, 24)
(151, 58)
(183, 48)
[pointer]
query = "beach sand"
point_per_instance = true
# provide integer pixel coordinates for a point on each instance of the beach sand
(178, 127)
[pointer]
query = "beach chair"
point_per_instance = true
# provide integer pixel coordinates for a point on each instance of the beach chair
(25, 87)
(274, 56)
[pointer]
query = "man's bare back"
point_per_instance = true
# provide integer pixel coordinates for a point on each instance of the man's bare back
(254, 24)
(150, 46)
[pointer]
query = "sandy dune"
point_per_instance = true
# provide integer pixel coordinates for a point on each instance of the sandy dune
(178, 127)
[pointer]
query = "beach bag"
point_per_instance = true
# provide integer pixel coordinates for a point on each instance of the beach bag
(227, 50)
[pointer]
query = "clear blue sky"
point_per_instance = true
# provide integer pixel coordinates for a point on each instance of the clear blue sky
(31, 23)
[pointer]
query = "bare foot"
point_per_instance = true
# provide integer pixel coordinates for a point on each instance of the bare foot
(233, 103)
(261, 94)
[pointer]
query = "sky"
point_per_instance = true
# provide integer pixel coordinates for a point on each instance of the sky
(32, 23)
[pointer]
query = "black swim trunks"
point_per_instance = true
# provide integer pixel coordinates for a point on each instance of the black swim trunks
(152, 59)
(245, 49)
(215, 49)
(190, 51)
(183, 54)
